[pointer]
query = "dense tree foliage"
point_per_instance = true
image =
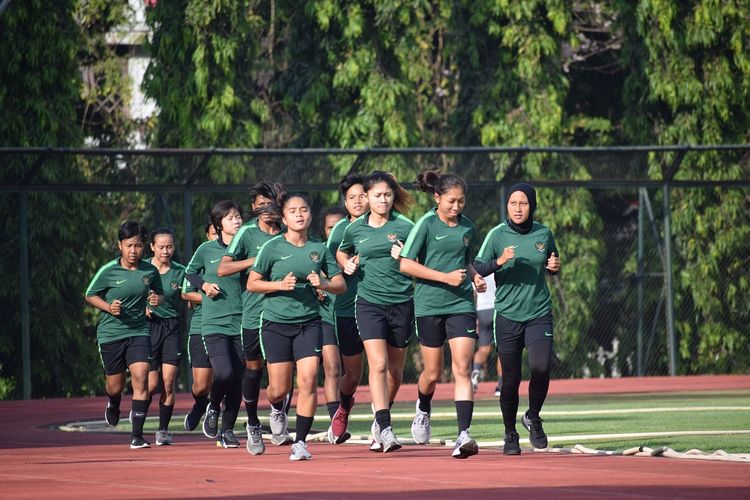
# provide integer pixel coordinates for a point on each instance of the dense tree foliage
(395, 73)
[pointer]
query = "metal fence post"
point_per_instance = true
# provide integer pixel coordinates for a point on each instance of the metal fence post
(25, 294)
(669, 309)
(639, 280)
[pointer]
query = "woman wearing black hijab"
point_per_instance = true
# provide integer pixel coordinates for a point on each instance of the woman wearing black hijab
(520, 252)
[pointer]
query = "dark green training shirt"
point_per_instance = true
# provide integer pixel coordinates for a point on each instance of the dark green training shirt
(113, 281)
(436, 245)
(521, 289)
(197, 318)
(246, 245)
(343, 304)
(276, 259)
(171, 282)
(382, 282)
(223, 313)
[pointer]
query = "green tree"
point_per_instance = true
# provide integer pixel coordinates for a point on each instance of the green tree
(38, 100)
(691, 85)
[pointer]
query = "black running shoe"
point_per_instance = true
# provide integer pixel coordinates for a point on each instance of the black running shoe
(112, 415)
(536, 434)
(192, 419)
(511, 446)
(211, 423)
(138, 442)
(227, 439)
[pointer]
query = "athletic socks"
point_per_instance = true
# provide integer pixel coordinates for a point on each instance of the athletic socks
(390, 405)
(140, 407)
(425, 401)
(464, 411)
(347, 401)
(165, 415)
(304, 424)
(383, 417)
(288, 401)
(279, 405)
(201, 403)
(332, 407)
(476, 367)
(250, 393)
(114, 401)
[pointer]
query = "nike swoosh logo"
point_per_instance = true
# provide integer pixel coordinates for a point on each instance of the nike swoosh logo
(257, 247)
(214, 261)
(441, 237)
(317, 350)
(547, 334)
(363, 240)
(120, 282)
(284, 258)
(471, 331)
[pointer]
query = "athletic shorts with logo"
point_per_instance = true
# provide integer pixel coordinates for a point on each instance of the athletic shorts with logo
(197, 352)
(485, 326)
(291, 341)
(433, 331)
(511, 336)
(350, 342)
(393, 323)
(165, 342)
(118, 355)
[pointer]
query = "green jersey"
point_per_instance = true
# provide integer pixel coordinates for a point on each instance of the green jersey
(246, 245)
(382, 282)
(197, 318)
(276, 259)
(436, 245)
(112, 282)
(223, 313)
(343, 304)
(521, 292)
(171, 282)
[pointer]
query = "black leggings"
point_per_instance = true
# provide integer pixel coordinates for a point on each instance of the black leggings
(225, 354)
(540, 355)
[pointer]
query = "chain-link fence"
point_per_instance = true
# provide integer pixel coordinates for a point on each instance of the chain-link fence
(622, 217)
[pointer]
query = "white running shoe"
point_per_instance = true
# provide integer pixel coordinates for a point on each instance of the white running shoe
(254, 444)
(465, 446)
(388, 438)
(475, 378)
(163, 437)
(300, 452)
(421, 430)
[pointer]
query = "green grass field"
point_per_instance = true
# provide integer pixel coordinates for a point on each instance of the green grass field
(570, 420)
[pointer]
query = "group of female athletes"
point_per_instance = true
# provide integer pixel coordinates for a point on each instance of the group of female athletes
(267, 294)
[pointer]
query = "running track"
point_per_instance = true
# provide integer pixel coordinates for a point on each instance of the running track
(37, 460)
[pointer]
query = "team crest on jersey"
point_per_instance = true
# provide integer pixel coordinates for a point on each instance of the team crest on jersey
(174, 285)
(147, 280)
(467, 241)
(315, 257)
(393, 237)
(540, 246)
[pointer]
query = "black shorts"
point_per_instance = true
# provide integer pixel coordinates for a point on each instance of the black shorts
(393, 323)
(220, 345)
(166, 345)
(485, 329)
(433, 331)
(512, 336)
(118, 355)
(251, 344)
(329, 334)
(283, 342)
(350, 342)
(197, 354)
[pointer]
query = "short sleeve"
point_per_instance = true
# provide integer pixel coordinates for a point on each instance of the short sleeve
(330, 267)
(264, 260)
(415, 242)
(471, 248)
(238, 248)
(347, 241)
(488, 251)
(195, 266)
(99, 283)
(156, 285)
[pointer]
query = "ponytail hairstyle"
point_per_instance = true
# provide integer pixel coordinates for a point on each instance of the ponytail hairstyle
(402, 200)
(219, 211)
(272, 190)
(432, 181)
(130, 228)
